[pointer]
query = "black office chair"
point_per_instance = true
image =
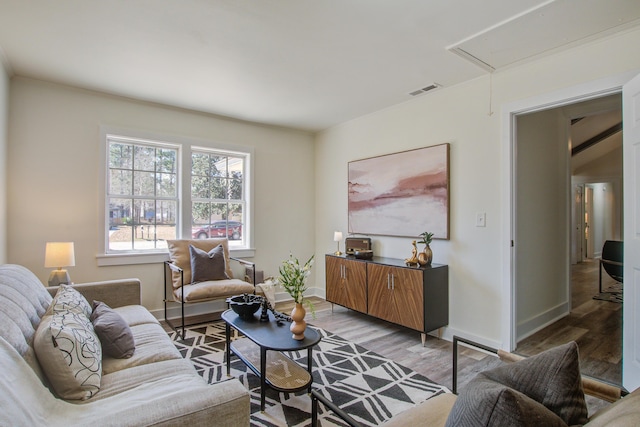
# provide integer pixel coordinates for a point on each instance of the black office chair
(611, 260)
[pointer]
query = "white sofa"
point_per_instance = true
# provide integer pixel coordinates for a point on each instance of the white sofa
(155, 386)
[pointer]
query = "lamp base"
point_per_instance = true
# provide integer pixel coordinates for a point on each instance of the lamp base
(59, 276)
(337, 253)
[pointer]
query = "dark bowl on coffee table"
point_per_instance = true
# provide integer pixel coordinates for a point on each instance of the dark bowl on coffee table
(245, 305)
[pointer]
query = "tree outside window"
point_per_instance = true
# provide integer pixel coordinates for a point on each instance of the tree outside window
(217, 195)
(142, 195)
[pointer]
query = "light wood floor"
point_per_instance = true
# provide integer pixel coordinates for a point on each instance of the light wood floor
(595, 325)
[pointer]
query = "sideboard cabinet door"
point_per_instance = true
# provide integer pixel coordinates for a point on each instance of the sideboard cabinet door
(347, 283)
(396, 295)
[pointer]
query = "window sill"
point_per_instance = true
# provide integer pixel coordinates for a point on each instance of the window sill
(105, 260)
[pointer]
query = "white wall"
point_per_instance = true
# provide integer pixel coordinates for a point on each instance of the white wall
(54, 191)
(4, 132)
(461, 116)
(542, 226)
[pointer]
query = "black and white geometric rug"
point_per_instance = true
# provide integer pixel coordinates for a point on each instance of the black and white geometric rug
(366, 385)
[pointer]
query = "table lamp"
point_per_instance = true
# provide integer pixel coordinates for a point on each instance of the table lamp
(58, 255)
(337, 236)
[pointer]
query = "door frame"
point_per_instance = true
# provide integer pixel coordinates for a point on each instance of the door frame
(589, 223)
(509, 112)
(577, 223)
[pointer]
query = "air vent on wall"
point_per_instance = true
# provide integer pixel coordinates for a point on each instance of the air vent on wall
(425, 89)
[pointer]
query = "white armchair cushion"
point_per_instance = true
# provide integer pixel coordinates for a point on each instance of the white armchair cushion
(212, 289)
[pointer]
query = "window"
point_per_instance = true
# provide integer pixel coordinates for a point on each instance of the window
(218, 195)
(142, 194)
(157, 191)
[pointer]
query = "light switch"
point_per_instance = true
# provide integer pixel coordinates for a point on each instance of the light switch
(481, 219)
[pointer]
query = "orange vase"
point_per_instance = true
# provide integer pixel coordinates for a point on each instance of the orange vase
(298, 325)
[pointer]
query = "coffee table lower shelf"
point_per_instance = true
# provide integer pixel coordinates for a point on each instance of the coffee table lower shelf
(282, 373)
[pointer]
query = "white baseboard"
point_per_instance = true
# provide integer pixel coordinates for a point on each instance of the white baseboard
(195, 309)
(191, 309)
(448, 333)
(534, 324)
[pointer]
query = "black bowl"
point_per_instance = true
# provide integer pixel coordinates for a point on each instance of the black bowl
(245, 305)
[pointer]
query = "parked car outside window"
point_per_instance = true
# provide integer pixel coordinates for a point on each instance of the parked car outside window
(229, 229)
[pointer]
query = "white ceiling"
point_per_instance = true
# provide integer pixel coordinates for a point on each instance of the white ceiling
(305, 64)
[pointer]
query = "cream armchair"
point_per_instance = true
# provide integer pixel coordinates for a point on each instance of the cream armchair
(199, 271)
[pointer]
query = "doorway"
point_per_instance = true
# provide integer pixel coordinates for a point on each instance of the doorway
(566, 201)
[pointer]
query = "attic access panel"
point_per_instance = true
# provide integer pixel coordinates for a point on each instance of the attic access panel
(401, 194)
(549, 27)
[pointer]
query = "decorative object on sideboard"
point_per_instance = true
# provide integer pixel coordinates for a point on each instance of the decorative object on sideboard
(59, 255)
(413, 259)
(293, 278)
(426, 256)
(337, 236)
(354, 244)
(363, 254)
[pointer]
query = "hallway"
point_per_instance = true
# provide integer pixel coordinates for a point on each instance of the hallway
(595, 325)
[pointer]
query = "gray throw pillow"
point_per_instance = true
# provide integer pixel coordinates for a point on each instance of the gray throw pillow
(207, 265)
(487, 403)
(551, 378)
(114, 332)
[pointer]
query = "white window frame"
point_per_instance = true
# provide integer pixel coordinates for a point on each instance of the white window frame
(185, 146)
(246, 157)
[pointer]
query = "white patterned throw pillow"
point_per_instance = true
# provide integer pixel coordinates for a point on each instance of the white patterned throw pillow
(69, 352)
(67, 298)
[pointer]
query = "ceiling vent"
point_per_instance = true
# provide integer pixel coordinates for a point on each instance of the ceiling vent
(425, 89)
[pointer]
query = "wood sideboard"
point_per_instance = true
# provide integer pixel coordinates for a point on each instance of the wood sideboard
(417, 298)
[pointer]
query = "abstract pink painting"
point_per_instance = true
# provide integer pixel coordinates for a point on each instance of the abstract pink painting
(401, 194)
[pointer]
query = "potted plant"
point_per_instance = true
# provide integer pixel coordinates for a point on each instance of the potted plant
(293, 278)
(426, 256)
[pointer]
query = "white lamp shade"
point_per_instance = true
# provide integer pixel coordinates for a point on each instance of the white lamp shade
(337, 236)
(59, 254)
